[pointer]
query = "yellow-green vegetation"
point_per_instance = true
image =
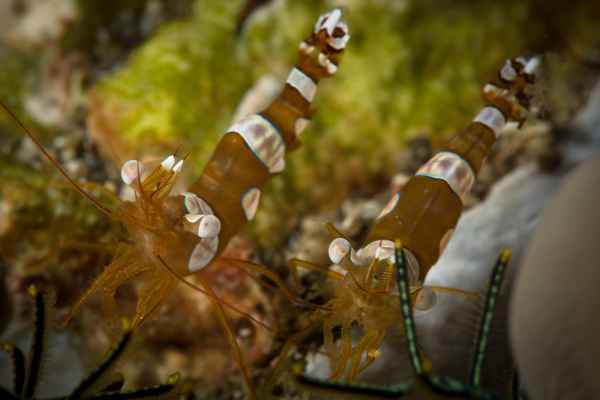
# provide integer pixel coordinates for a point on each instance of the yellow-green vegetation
(45, 225)
(409, 69)
(15, 78)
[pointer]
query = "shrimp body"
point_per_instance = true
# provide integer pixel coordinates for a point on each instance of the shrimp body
(424, 214)
(426, 385)
(361, 299)
(178, 235)
(253, 149)
(422, 217)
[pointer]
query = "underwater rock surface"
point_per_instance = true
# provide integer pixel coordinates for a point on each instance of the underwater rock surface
(556, 302)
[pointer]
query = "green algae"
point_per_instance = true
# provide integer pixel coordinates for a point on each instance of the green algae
(409, 69)
(16, 69)
(47, 227)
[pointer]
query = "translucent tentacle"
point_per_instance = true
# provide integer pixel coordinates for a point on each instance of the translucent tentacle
(373, 347)
(212, 297)
(358, 351)
(248, 265)
(235, 348)
(123, 268)
(345, 352)
(153, 294)
(55, 163)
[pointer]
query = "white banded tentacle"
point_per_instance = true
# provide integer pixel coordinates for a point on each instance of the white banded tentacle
(391, 204)
(250, 201)
(300, 125)
(451, 168)
(263, 139)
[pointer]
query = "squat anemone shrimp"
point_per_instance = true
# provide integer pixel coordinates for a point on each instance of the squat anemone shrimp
(423, 217)
(175, 235)
(426, 385)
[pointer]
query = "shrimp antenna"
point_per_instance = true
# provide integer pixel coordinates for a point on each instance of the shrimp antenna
(55, 163)
(220, 301)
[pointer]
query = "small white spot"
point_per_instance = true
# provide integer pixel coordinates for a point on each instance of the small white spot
(492, 118)
(337, 268)
(130, 170)
(391, 204)
(532, 65)
(177, 167)
(521, 60)
(507, 72)
(168, 162)
(338, 249)
(357, 258)
(490, 88)
(209, 226)
(323, 60)
(331, 68)
(278, 167)
(306, 48)
(250, 201)
(300, 125)
(203, 253)
(193, 218)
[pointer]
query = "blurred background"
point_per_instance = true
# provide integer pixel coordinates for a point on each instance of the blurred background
(101, 82)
